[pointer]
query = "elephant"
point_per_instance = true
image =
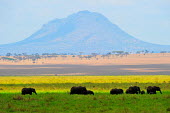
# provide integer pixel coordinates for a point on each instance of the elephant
(116, 91)
(78, 90)
(28, 91)
(133, 90)
(151, 93)
(128, 91)
(153, 89)
(142, 92)
(90, 92)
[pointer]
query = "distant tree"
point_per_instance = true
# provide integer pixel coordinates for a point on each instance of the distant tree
(113, 52)
(64, 53)
(53, 53)
(103, 56)
(109, 53)
(146, 51)
(72, 54)
(94, 54)
(88, 57)
(80, 53)
(126, 53)
(120, 52)
(138, 52)
(45, 53)
(80, 56)
(117, 52)
(64, 56)
(163, 51)
(15, 54)
(8, 54)
(24, 54)
(37, 56)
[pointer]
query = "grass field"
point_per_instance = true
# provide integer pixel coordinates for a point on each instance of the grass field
(53, 94)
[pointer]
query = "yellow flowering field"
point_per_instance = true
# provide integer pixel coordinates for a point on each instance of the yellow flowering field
(84, 79)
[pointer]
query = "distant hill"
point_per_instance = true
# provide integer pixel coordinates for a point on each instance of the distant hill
(87, 32)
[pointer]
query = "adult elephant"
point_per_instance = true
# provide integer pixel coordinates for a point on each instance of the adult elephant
(133, 90)
(153, 89)
(78, 90)
(28, 91)
(116, 91)
(89, 92)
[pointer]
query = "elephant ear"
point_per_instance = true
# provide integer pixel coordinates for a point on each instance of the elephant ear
(33, 89)
(156, 88)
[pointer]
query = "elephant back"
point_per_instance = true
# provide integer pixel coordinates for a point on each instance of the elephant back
(116, 91)
(133, 90)
(78, 90)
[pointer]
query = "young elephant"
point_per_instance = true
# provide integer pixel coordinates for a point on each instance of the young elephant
(28, 91)
(89, 92)
(142, 92)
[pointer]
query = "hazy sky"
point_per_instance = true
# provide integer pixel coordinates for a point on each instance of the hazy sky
(147, 20)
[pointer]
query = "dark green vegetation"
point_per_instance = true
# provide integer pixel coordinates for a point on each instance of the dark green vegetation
(6, 58)
(55, 98)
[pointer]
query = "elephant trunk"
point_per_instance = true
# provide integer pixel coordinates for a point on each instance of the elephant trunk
(35, 92)
(160, 91)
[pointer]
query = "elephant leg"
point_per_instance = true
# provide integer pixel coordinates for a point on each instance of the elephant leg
(148, 91)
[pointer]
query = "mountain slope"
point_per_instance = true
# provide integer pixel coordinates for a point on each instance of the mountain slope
(84, 31)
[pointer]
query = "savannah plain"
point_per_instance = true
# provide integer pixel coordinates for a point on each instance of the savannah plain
(54, 76)
(132, 64)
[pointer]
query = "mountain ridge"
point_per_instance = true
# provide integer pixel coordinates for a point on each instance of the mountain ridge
(85, 31)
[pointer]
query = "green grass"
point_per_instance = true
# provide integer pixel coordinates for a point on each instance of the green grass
(53, 95)
(55, 98)
(100, 102)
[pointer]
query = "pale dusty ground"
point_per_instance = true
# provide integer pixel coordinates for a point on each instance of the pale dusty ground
(132, 64)
(133, 59)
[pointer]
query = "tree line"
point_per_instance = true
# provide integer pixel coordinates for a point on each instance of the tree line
(81, 55)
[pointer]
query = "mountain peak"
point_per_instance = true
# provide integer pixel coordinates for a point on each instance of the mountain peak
(84, 12)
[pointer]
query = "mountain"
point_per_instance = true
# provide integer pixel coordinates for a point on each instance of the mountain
(85, 31)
